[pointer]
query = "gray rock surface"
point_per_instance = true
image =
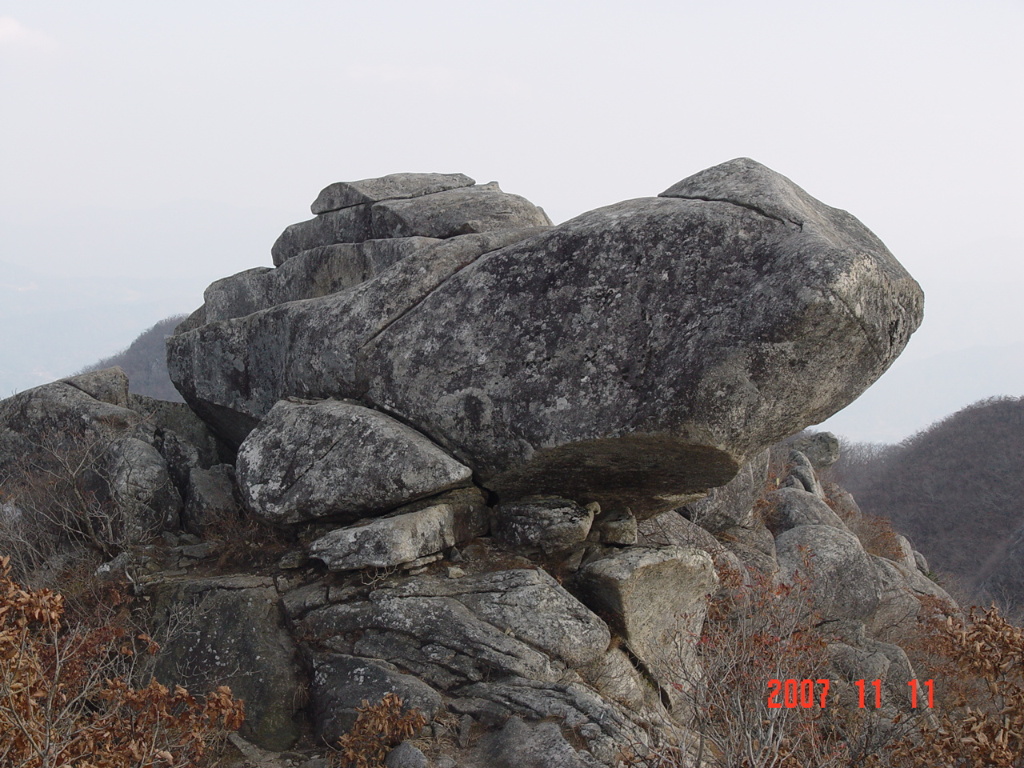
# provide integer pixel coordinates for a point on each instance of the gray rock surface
(534, 745)
(921, 561)
(670, 529)
(308, 275)
(483, 208)
(342, 683)
(667, 400)
(233, 372)
(754, 545)
(348, 225)
(338, 460)
(601, 725)
(821, 448)
(839, 577)
(453, 631)
(405, 755)
(405, 536)
(616, 527)
(82, 433)
(789, 507)
(731, 504)
(444, 214)
(230, 632)
(135, 476)
(801, 475)
(901, 588)
(548, 525)
(210, 496)
(655, 599)
(345, 194)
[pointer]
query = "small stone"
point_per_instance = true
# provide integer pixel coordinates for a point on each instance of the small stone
(454, 572)
(291, 560)
(405, 755)
(619, 528)
(465, 727)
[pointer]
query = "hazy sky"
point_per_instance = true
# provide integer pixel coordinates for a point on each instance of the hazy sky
(148, 149)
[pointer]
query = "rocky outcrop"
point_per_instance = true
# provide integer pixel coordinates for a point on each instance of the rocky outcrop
(501, 468)
(93, 463)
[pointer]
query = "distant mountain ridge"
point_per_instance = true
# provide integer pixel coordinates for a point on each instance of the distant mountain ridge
(145, 362)
(957, 490)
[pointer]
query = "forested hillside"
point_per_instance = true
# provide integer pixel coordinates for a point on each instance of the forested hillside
(957, 490)
(145, 362)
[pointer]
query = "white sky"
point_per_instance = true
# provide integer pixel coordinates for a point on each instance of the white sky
(148, 149)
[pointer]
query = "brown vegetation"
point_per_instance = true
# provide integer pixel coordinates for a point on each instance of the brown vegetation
(377, 729)
(66, 698)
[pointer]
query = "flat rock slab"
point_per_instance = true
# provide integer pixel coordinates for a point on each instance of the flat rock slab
(450, 632)
(463, 211)
(338, 460)
(405, 537)
(345, 194)
(448, 213)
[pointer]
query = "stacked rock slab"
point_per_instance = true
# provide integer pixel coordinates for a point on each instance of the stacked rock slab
(633, 356)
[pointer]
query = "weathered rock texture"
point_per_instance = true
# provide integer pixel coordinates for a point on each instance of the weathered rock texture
(634, 356)
(339, 460)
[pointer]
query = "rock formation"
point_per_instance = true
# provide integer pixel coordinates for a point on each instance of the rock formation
(634, 356)
(510, 461)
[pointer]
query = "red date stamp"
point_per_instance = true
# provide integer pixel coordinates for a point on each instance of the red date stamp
(792, 693)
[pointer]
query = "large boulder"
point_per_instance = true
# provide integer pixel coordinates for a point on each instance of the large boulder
(229, 631)
(335, 459)
(838, 578)
(233, 371)
(88, 460)
(634, 356)
(655, 599)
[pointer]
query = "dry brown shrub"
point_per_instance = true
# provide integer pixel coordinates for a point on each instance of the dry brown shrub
(977, 664)
(876, 535)
(64, 703)
(377, 729)
(752, 635)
